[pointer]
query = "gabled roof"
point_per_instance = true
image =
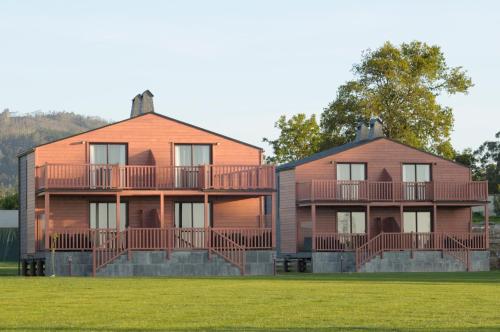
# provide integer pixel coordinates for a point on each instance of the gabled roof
(348, 146)
(138, 116)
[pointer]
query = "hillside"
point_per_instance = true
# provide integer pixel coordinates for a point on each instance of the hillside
(19, 133)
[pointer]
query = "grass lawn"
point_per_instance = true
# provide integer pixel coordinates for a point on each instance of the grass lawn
(8, 269)
(295, 302)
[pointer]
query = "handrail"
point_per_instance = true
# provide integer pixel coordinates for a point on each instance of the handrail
(341, 190)
(228, 250)
(459, 252)
(339, 241)
(108, 251)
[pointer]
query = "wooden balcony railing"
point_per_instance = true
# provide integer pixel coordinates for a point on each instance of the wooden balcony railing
(206, 177)
(74, 239)
(339, 242)
(333, 190)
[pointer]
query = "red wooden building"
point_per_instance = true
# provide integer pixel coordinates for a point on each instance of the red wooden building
(151, 184)
(378, 205)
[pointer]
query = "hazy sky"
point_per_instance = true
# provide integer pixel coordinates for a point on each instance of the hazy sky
(233, 66)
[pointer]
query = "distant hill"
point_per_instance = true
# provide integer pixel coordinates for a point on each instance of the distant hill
(19, 133)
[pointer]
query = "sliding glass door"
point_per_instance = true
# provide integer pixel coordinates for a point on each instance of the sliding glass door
(350, 177)
(187, 159)
(415, 178)
(190, 221)
(101, 157)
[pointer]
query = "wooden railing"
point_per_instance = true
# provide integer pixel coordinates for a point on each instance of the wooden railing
(78, 238)
(108, 251)
(450, 243)
(228, 249)
(102, 177)
(251, 238)
(333, 190)
(339, 242)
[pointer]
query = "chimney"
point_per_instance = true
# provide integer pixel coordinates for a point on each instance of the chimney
(376, 128)
(142, 104)
(361, 131)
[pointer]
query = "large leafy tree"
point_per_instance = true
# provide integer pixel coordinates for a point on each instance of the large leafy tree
(299, 138)
(488, 157)
(401, 85)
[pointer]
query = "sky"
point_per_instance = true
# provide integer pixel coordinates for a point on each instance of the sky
(233, 66)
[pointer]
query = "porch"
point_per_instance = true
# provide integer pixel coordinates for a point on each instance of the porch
(368, 231)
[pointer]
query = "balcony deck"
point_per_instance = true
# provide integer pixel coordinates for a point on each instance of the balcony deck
(146, 177)
(379, 191)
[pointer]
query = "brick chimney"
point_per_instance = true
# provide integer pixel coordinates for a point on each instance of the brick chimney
(376, 128)
(142, 103)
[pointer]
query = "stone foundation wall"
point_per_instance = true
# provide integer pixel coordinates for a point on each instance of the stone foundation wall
(400, 261)
(154, 263)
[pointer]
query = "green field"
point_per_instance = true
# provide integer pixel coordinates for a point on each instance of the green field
(295, 302)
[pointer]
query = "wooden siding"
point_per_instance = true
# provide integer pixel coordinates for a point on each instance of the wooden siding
(383, 157)
(23, 229)
(453, 219)
(287, 212)
(30, 203)
(236, 212)
(150, 139)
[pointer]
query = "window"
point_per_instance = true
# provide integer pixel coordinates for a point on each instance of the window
(192, 155)
(417, 222)
(191, 215)
(189, 157)
(351, 171)
(108, 154)
(416, 177)
(103, 215)
(351, 222)
(416, 172)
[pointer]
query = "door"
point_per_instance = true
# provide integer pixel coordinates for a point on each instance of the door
(415, 181)
(102, 220)
(350, 178)
(418, 222)
(188, 158)
(102, 159)
(190, 224)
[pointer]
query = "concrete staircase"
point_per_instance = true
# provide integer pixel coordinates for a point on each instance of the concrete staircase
(181, 263)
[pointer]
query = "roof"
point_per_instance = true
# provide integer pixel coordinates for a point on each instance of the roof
(138, 116)
(8, 218)
(347, 146)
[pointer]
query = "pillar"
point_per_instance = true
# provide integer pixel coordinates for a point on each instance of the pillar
(368, 222)
(486, 227)
(273, 219)
(401, 218)
(313, 220)
(207, 223)
(434, 218)
(118, 217)
(47, 220)
(162, 210)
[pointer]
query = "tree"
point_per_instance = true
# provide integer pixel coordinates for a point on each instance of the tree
(400, 85)
(468, 158)
(488, 156)
(299, 137)
(10, 201)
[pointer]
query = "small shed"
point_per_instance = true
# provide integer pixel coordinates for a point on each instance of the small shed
(9, 236)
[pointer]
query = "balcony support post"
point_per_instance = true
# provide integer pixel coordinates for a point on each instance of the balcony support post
(162, 210)
(434, 218)
(486, 227)
(313, 220)
(368, 222)
(401, 221)
(118, 220)
(208, 235)
(47, 220)
(273, 220)
(261, 208)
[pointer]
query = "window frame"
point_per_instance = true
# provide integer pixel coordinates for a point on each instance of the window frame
(210, 145)
(107, 151)
(350, 221)
(415, 169)
(210, 216)
(107, 213)
(431, 221)
(350, 170)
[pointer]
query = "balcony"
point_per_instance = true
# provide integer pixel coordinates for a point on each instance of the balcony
(373, 191)
(144, 177)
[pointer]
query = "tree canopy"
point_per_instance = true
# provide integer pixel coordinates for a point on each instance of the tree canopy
(300, 137)
(399, 84)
